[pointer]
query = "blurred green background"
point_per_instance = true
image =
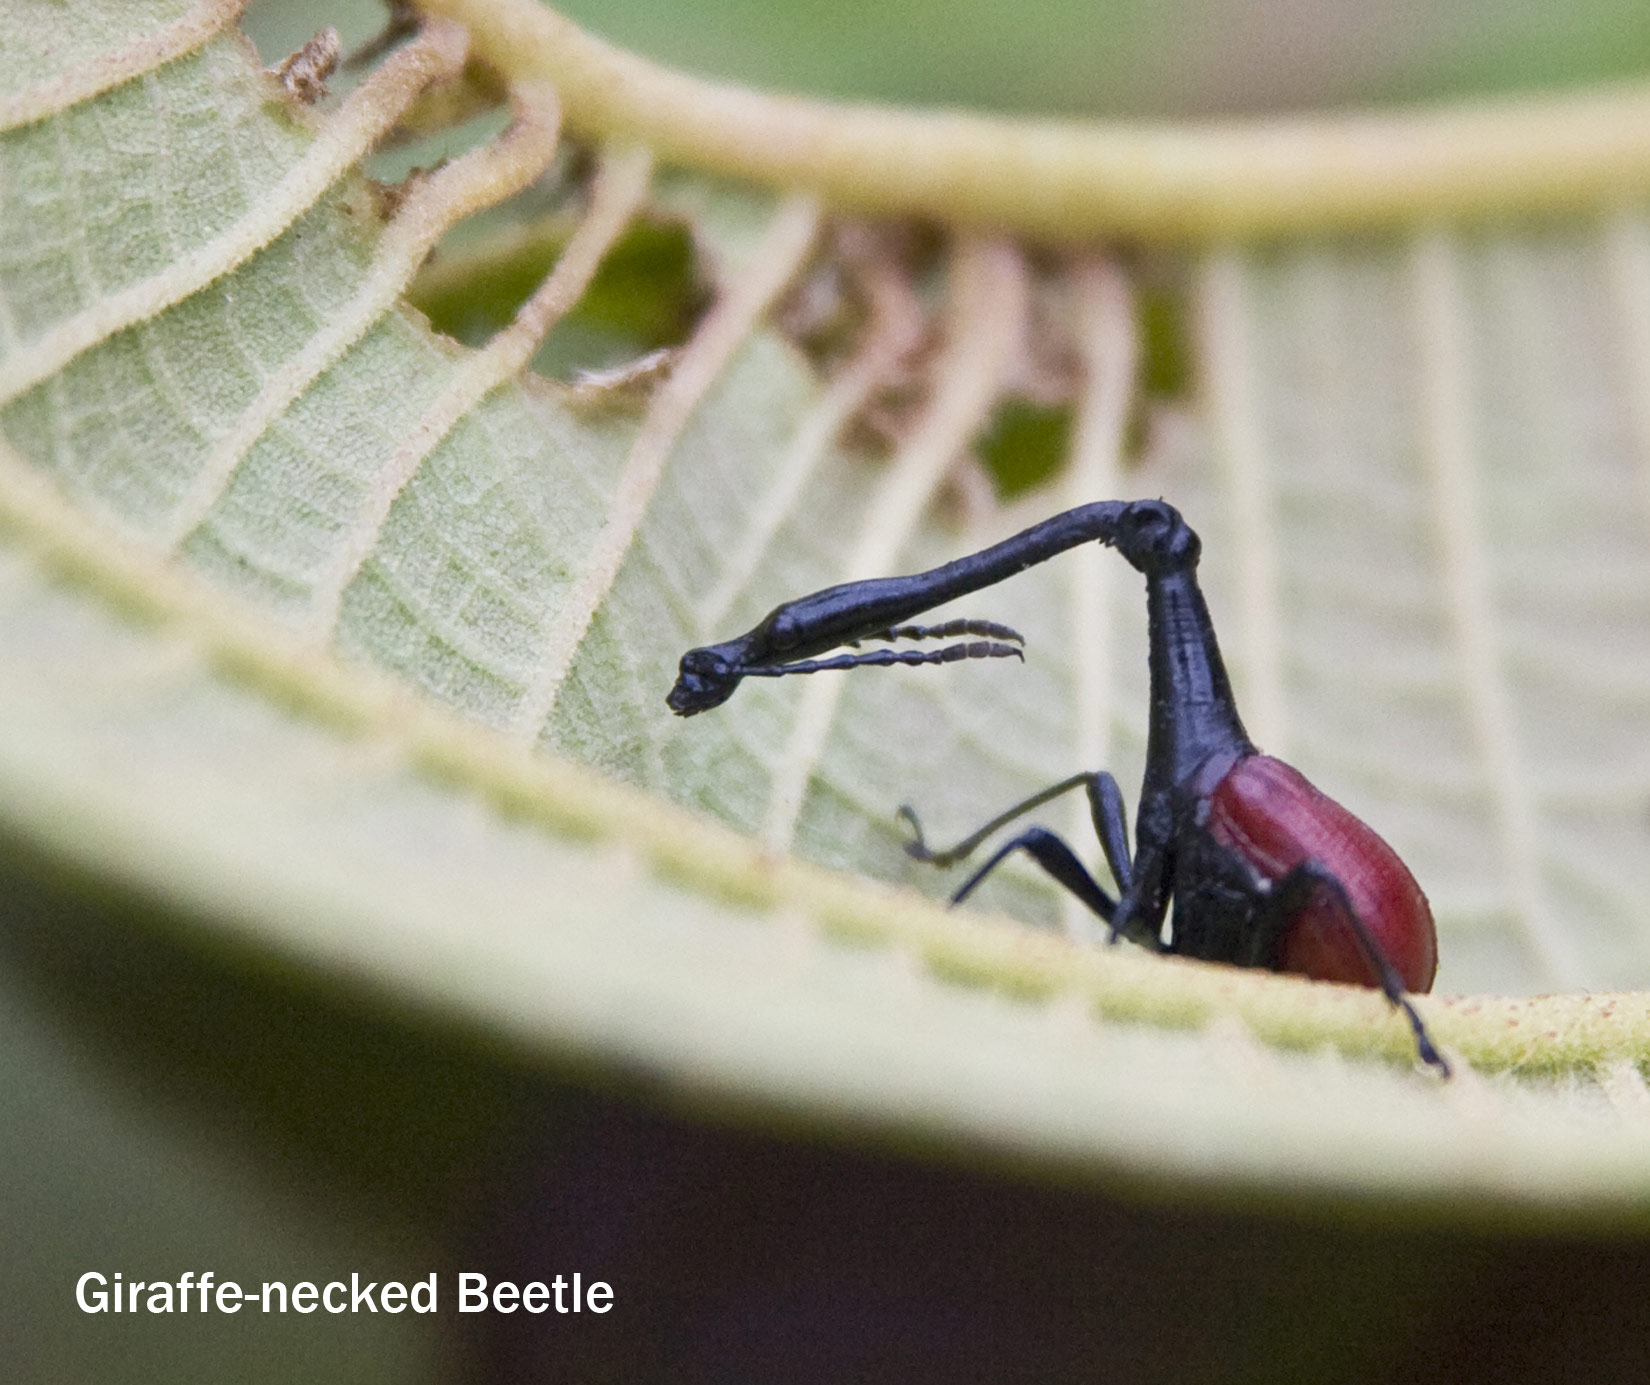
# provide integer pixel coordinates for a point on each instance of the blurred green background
(1123, 58)
(166, 1105)
(1137, 57)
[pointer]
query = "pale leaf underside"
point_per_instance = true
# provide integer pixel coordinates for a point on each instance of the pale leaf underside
(309, 617)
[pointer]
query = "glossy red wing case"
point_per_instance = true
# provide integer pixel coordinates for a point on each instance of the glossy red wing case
(1268, 813)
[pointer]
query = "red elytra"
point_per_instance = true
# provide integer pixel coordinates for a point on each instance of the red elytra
(1269, 814)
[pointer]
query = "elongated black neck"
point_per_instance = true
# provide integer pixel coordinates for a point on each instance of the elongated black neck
(791, 634)
(827, 618)
(1193, 715)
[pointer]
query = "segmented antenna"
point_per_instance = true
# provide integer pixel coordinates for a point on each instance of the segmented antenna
(961, 626)
(886, 658)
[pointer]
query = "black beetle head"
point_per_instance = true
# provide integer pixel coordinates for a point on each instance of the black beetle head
(705, 679)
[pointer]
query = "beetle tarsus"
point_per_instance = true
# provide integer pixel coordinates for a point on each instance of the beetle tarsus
(917, 848)
(1423, 1041)
(1297, 889)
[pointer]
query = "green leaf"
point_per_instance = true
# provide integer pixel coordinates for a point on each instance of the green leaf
(354, 642)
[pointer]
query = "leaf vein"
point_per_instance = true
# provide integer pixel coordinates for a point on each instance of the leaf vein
(781, 253)
(620, 186)
(365, 116)
(988, 323)
(480, 177)
(1108, 349)
(53, 95)
(895, 328)
(1228, 365)
(1448, 446)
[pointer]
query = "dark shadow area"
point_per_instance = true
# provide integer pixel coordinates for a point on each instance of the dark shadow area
(745, 1255)
(739, 1257)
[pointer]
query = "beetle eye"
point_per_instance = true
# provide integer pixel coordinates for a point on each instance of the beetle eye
(703, 663)
(782, 634)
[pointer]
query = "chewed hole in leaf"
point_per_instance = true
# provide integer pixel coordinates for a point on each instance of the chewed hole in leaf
(1026, 446)
(1163, 309)
(647, 294)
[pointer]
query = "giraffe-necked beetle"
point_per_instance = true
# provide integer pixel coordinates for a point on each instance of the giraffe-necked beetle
(1264, 870)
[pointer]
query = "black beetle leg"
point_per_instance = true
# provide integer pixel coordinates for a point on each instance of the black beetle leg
(1294, 893)
(918, 847)
(1111, 825)
(1054, 856)
(1061, 862)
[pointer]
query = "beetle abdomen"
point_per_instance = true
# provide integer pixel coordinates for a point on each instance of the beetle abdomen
(1269, 814)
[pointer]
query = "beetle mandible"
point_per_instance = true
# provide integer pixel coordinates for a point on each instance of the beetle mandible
(1263, 869)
